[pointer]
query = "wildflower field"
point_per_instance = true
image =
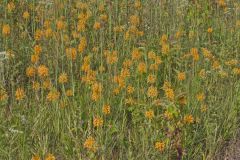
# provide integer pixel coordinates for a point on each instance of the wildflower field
(118, 79)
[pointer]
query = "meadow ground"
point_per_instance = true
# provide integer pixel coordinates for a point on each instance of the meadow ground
(232, 151)
(119, 79)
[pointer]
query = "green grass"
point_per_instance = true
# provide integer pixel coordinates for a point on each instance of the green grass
(37, 124)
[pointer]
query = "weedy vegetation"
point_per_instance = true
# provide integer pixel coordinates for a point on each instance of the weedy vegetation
(118, 79)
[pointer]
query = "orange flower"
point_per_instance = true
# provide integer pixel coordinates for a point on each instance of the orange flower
(194, 52)
(36, 157)
(26, 15)
(104, 17)
(97, 25)
(182, 100)
(200, 97)
(50, 157)
(53, 95)
(134, 20)
(11, 6)
(90, 144)
(221, 3)
(35, 86)
(60, 25)
(149, 114)
(71, 53)
(137, 4)
(48, 32)
(97, 121)
(142, 67)
(188, 119)
(152, 92)
(151, 79)
(38, 35)
(42, 71)
(136, 54)
(34, 58)
(47, 84)
(160, 146)
(37, 49)
(69, 93)
(106, 109)
(164, 39)
(181, 76)
(130, 89)
(151, 55)
(63, 78)
(168, 115)
(165, 48)
(236, 71)
(82, 45)
(20, 94)
(30, 71)
(209, 30)
(6, 29)
(169, 93)
(3, 95)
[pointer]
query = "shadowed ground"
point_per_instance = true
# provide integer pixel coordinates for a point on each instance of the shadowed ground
(231, 151)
